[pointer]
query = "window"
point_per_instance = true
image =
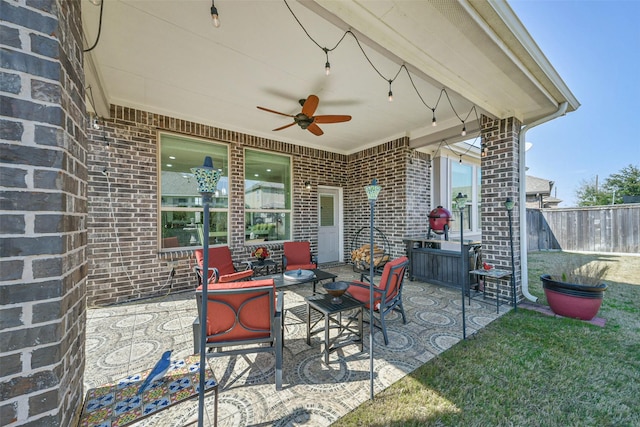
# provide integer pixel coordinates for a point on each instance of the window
(465, 179)
(180, 203)
(267, 196)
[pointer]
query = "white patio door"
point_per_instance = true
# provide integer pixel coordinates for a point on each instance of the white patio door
(329, 224)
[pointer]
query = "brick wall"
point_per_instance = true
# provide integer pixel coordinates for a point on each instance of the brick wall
(124, 262)
(403, 202)
(501, 179)
(42, 212)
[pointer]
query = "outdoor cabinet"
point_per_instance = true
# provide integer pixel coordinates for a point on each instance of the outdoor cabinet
(438, 261)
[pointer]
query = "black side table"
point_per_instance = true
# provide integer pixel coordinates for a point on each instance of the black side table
(496, 274)
(264, 268)
(347, 333)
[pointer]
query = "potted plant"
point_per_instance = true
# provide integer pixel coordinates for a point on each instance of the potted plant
(261, 253)
(576, 291)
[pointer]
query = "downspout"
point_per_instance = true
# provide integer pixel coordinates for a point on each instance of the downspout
(562, 109)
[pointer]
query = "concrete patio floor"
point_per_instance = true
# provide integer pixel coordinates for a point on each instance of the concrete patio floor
(129, 338)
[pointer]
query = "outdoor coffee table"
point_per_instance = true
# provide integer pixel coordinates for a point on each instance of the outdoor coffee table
(317, 277)
(347, 333)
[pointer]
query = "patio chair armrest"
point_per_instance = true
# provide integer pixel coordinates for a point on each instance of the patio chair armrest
(363, 285)
(242, 265)
(196, 335)
(279, 302)
(279, 336)
(215, 275)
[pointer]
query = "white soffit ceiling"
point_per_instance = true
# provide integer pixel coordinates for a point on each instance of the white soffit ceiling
(166, 57)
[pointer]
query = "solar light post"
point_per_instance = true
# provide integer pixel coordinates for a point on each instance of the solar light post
(207, 178)
(461, 203)
(372, 194)
(508, 204)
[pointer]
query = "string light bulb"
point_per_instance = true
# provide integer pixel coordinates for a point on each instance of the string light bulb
(390, 92)
(460, 159)
(484, 151)
(464, 129)
(214, 15)
(327, 65)
(433, 120)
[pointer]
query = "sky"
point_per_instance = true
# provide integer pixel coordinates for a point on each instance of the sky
(595, 48)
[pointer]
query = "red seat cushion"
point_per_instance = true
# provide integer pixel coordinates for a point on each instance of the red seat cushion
(309, 266)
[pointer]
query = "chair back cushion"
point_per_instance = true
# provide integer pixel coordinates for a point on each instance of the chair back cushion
(219, 257)
(239, 311)
(390, 283)
(392, 276)
(298, 255)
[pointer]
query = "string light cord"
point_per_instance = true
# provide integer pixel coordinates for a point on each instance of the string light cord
(433, 109)
(324, 49)
(390, 81)
(99, 29)
(470, 145)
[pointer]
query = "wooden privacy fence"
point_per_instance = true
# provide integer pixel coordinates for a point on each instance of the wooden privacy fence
(614, 228)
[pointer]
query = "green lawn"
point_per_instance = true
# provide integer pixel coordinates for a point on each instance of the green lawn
(529, 369)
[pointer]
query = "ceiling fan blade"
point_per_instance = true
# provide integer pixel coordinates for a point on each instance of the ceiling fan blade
(275, 112)
(331, 119)
(285, 126)
(310, 105)
(315, 129)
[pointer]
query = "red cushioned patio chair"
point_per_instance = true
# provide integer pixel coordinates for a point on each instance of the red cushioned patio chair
(387, 295)
(297, 255)
(241, 318)
(220, 258)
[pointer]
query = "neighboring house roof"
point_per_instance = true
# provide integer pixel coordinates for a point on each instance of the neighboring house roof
(539, 193)
(535, 185)
(165, 57)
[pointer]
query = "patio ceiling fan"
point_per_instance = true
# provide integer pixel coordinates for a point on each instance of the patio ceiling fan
(306, 120)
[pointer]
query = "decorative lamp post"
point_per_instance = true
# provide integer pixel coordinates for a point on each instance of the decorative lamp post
(372, 194)
(207, 178)
(508, 204)
(461, 204)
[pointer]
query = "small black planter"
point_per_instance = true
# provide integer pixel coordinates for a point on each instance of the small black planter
(571, 299)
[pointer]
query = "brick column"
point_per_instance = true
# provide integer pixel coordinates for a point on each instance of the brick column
(501, 179)
(42, 213)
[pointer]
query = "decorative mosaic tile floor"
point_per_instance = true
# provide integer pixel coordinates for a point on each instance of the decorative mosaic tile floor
(129, 338)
